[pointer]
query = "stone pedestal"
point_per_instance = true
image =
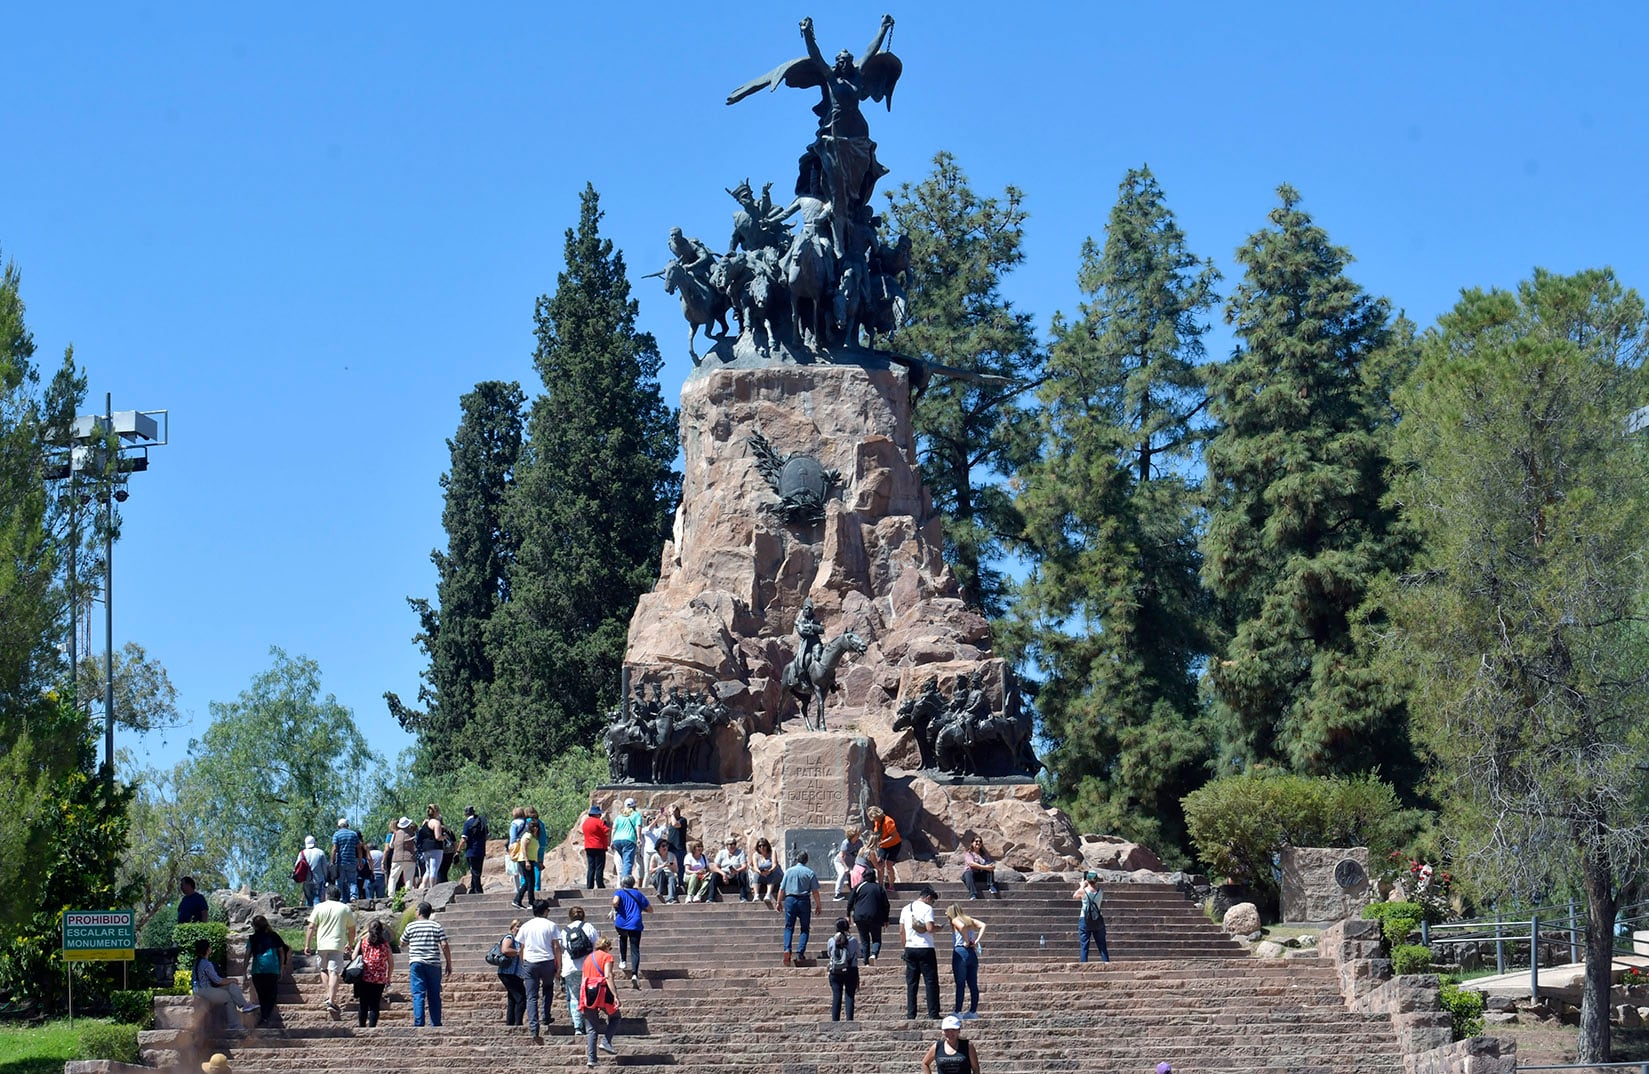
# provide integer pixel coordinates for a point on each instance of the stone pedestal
(733, 577)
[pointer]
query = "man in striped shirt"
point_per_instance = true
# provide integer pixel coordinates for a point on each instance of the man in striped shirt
(425, 944)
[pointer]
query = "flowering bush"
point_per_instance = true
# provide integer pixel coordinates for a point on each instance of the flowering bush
(1419, 883)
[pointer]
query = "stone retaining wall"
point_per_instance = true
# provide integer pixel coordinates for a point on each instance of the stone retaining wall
(1412, 1002)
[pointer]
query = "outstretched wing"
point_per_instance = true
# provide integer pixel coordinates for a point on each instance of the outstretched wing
(800, 73)
(879, 75)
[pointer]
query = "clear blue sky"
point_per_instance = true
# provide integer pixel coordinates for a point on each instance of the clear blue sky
(307, 231)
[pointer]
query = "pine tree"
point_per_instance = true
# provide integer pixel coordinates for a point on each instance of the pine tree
(472, 577)
(590, 509)
(1521, 623)
(972, 435)
(38, 734)
(1114, 611)
(1297, 530)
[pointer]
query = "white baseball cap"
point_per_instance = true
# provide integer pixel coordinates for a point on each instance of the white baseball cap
(951, 1022)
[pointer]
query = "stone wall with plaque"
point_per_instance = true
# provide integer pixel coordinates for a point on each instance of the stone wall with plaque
(1324, 884)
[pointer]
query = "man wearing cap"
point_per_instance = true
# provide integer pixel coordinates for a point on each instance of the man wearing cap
(314, 886)
(403, 851)
(951, 1053)
(921, 960)
(798, 885)
(475, 845)
(346, 845)
(731, 869)
(627, 838)
(598, 836)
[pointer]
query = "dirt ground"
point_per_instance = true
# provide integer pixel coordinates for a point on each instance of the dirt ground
(1551, 1042)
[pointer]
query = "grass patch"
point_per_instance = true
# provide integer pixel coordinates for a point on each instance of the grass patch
(43, 1048)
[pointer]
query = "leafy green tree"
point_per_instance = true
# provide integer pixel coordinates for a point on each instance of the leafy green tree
(76, 858)
(278, 763)
(472, 577)
(973, 435)
(590, 509)
(1522, 622)
(1114, 610)
(171, 837)
(1297, 529)
(145, 699)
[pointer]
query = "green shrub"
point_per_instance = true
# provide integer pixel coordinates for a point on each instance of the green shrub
(136, 1007)
(1465, 1009)
(1410, 958)
(1239, 824)
(157, 931)
(1397, 921)
(116, 1043)
(216, 931)
(180, 981)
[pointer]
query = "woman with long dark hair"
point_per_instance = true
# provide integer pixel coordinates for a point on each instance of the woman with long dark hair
(379, 958)
(266, 956)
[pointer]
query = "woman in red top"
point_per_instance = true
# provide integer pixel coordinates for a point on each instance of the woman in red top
(598, 1000)
(375, 952)
(598, 836)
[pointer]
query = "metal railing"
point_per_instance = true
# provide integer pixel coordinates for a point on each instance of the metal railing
(1496, 930)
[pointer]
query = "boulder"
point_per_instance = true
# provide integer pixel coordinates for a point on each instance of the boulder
(1114, 852)
(241, 908)
(1627, 1016)
(1269, 949)
(1242, 919)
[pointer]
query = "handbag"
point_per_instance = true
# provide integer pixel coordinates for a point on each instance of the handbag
(355, 970)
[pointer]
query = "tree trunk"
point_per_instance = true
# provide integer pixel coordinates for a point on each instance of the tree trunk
(1593, 1044)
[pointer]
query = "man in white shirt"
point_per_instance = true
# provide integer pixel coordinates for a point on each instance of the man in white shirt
(732, 870)
(572, 967)
(921, 960)
(539, 941)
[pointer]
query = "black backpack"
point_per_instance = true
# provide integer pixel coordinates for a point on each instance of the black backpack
(1090, 910)
(579, 944)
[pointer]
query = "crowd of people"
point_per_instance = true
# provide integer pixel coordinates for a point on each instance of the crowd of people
(647, 852)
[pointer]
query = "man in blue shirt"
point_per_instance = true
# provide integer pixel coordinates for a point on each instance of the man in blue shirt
(346, 846)
(192, 907)
(799, 885)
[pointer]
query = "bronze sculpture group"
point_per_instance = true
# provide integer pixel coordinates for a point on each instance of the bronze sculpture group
(667, 738)
(964, 736)
(834, 275)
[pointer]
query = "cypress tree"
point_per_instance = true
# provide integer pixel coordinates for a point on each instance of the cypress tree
(972, 435)
(1113, 609)
(1297, 530)
(472, 576)
(590, 508)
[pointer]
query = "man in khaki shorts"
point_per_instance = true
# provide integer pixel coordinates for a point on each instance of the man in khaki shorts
(330, 934)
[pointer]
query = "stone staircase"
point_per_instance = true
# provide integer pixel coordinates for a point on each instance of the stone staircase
(715, 998)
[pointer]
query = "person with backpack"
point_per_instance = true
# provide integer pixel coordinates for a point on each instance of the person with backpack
(266, 958)
(965, 934)
(628, 906)
(578, 940)
(1090, 922)
(506, 956)
(597, 999)
(310, 871)
(842, 956)
(474, 845)
(870, 911)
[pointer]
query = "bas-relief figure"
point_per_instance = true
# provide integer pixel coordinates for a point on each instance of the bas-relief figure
(666, 738)
(965, 736)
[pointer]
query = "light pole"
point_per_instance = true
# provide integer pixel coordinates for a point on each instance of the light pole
(110, 445)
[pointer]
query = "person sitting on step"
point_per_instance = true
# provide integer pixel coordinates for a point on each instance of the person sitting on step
(208, 985)
(699, 876)
(978, 868)
(766, 871)
(661, 872)
(730, 871)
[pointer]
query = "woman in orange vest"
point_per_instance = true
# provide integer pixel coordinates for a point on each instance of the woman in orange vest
(885, 834)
